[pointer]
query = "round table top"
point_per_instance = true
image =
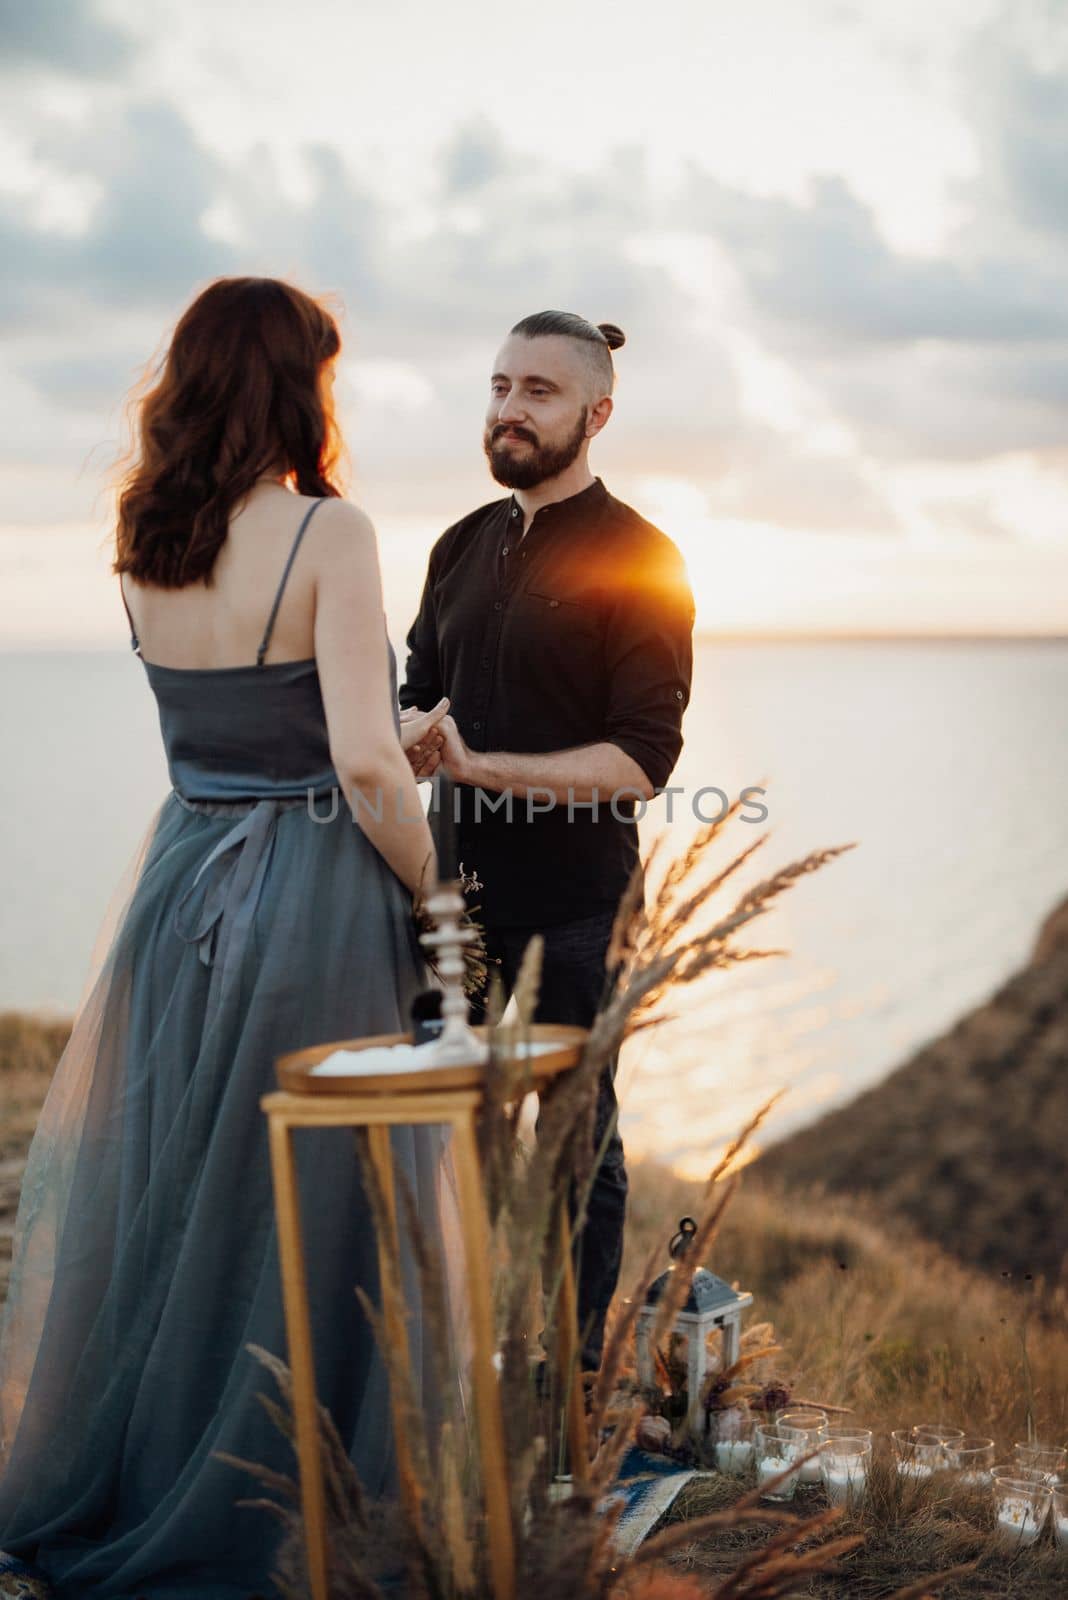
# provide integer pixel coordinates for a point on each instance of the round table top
(295, 1070)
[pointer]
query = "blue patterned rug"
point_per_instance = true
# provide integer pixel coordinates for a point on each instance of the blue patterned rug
(19, 1580)
(648, 1485)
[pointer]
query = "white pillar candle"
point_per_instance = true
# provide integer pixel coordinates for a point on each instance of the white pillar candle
(1018, 1521)
(734, 1455)
(845, 1484)
(769, 1467)
(809, 1420)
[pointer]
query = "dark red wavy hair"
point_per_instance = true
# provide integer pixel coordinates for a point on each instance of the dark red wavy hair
(240, 394)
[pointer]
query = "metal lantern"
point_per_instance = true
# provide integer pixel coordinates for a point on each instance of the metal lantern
(710, 1305)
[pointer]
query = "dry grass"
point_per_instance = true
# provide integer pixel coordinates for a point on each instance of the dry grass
(29, 1050)
(908, 1536)
(877, 1319)
(871, 1315)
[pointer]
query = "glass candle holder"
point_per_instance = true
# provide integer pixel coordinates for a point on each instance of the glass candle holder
(811, 1422)
(844, 1466)
(776, 1447)
(972, 1458)
(1059, 1491)
(835, 1431)
(912, 1459)
(1013, 1469)
(932, 1442)
(939, 1431)
(733, 1446)
(1021, 1509)
(1047, 1458)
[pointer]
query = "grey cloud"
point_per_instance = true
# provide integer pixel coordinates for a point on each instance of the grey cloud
(1019, 111)
(824, 273)
(962, 356)
(958, 357)
(543, 240)
(544, 237)
(950, 402)
(144, 245)
(84, 381)
(62, 36)
(462, 286)
(442, 303)
(473, 157)
(332, 242)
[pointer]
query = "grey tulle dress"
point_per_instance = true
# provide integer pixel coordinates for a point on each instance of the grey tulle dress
(145, 1253)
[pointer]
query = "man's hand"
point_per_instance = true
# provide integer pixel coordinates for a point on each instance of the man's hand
(456, 758)
(421, 737)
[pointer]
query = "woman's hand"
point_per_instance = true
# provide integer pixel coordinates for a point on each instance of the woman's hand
(421, 738)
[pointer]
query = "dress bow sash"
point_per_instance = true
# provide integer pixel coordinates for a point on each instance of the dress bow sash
(235, 870)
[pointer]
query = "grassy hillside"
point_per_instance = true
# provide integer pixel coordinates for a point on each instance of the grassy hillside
(873, 1317)
(967, 1140)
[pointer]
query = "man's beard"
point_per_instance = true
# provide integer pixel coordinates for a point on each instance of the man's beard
(529, 467)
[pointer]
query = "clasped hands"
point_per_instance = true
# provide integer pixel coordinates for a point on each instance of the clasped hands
(431, 739)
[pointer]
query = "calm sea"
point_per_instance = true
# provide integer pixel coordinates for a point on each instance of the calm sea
(947, 763)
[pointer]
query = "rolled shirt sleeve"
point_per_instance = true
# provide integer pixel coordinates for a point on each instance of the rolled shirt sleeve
(649, 658)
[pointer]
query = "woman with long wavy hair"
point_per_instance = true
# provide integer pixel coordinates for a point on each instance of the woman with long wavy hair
(262, 914)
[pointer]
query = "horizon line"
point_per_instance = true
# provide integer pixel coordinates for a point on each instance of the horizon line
(705, 635)
(880, 635)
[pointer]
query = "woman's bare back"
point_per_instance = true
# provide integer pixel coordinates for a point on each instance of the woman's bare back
(222, 625)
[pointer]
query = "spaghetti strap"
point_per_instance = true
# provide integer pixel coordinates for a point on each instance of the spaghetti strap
(135, 643)
(265, 641)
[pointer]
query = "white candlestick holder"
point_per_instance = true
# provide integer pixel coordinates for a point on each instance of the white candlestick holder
(447, 939)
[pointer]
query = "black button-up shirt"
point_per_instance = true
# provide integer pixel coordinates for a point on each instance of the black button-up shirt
(578, 632)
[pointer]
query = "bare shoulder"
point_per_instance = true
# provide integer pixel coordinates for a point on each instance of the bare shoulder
(345, 531)
(344, 518)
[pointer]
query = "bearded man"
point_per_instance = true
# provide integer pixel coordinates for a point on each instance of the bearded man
(558, 623)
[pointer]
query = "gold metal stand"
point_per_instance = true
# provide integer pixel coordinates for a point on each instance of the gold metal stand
(450, 1096)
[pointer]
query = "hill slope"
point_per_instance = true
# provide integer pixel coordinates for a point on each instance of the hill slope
(969, 1138)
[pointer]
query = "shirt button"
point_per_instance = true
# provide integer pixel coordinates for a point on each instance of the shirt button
(678, 694)
(485, 661)
(496, 605)
(554, 602)
(504, 552)
(515, 511)
(476, 725)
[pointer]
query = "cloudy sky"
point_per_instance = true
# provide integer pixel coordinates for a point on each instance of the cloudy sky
(836, 235)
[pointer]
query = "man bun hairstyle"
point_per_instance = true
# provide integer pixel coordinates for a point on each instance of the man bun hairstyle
(598, 339)
(614, 337)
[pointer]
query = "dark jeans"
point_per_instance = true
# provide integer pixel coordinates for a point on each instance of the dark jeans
(572, 985)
